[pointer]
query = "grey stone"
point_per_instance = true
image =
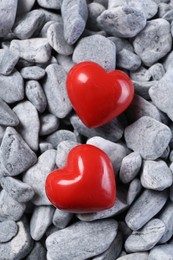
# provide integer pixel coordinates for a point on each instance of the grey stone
(124, 229)
(55, 90)
(149, 7)
(145, 208)
(8, 60)
(96, 48)
(94, 10)
(134, 256)
(112, 131)
(11, 87)
(168, 61)
(156, 175)
(128, 60)
(130, 167)
(148, 137)
(55, 36)
(48, 124)
(33, 72)
(44, 146)
(154, 42)
(61, 135)
(163, 8)
(61, 218)
(43, 32)
(2, 131)
(29, 123)
(161, 252)
(145, 238)
(142, 88)
(86, 240)
(171, 193)
(17, 156)
(166, 216)
(10, 208)
(121, 44)
(24, 6)
(115, 151)
(53, 4)
(113, 251)
(36, 95)
(141, 74)
(123, 21)
(168, 17)
(135, 188)
(74, 15)
(162, 94)
(38, 252)
(102, 2)
(63, 149)
(19, 246)
(37, 174)
(8, 229)
(7, 16)
(66, 62)
(17, 189)
(51, 16)
(141, 107)
(29, 24)
(7, 116)
(40, 220)
(32, 50)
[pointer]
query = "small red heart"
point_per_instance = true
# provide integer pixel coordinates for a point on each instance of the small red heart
(86, 184)
(98, 96)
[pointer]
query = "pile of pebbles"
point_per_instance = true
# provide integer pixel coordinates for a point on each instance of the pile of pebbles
(40, 41)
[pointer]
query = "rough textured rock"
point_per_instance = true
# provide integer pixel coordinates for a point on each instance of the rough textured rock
(8, 229)
(8, 60)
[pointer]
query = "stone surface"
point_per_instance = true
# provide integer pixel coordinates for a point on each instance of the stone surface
(66, 62)
(48, 124)
(145, 238)
(134, 256)
(145, 208)
(135, 188)
(156, 175)
(7, 116)
(128, 60)
(8, 60)
(32, 72)
(61, 218)
(157, 71)
(61, 135)
(29, 125)
(8, 229)
(142, 87)
(53, 4)
(154, 42)
(17, 156)
(38, 252)
(166, 216)
(74, 15)
(96, 48)
(161, 252)
(55, 90)
(148, 137)
(86, 240)
(94, 10)
(36, 176)
(24, 6)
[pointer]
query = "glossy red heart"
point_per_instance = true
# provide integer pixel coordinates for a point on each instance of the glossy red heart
(86, 184)
(98, 96)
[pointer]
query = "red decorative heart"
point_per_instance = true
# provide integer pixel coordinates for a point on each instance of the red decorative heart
(98, 96)
(85, 184)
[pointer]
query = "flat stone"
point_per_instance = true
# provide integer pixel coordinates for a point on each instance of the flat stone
(74, 15)
(112, 131)
(48, 124)
(166, 216)
(145, 208)
(8, 60)
(29, 24)
(154, 42)
(145, 238)
(20, 245)
(156, 175)
(161, 252)
(53, 4)
(11, 87)
(8, 229)
(122, 21)
(10, 208)
(37, 174)
(55, 36)
(96, 48)
(134, 190)
(148, 137)
(17, 189)
(130, 167)
(55, 90)
(128, 60)
(28, 49)
(61, 218)
(94, 10)
(115, 151)
(7, 16)
(66, 62)
(141, 107)
(86, 240)
(134, 256)
(37, 227)
(36, 95)
(162, 94)
(17, 156)
(61, 135)
(38, 252)
(63, 150)
(33, 72)
(7, 116)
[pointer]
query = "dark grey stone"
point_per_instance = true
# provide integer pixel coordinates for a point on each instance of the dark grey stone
(38, 252)
(94, 10)
(61, 135)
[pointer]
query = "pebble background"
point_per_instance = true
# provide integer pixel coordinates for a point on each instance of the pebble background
(40, 41)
